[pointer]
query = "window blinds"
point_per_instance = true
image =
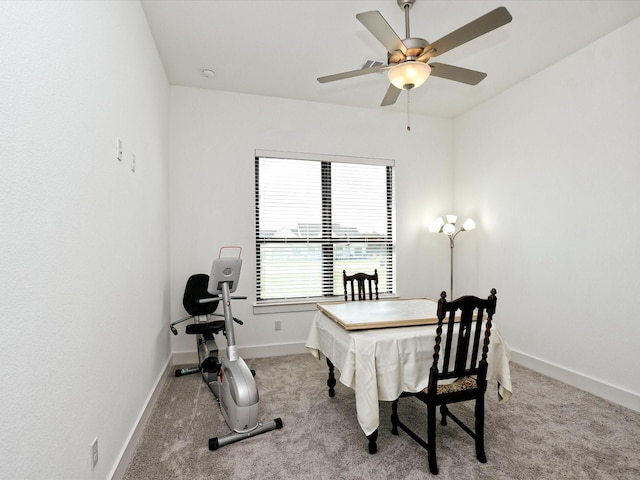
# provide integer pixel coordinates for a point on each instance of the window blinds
(316, 217)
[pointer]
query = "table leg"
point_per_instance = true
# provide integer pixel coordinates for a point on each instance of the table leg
(373, 448)
(331, 381)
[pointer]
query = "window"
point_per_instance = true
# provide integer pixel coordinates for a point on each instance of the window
(316, 216)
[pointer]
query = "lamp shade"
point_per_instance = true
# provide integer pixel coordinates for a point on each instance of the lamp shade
(436, 225)
(409, 74)
(468, 224)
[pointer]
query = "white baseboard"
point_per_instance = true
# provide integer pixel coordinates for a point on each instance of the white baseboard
(261, 351)
(604, 390)
(257, 351)
(119, 469)
(184, 358)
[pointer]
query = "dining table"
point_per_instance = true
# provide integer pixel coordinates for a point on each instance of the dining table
(382, 348)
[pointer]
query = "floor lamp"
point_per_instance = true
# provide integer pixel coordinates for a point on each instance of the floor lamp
(447, 225)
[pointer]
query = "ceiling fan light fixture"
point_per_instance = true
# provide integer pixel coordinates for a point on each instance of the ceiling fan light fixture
(409, 74)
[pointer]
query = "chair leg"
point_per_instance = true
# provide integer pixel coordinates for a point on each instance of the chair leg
(480, 430)
(373, 438)
(331, 381)
(394, 417)
(431, 439)
(444, 411)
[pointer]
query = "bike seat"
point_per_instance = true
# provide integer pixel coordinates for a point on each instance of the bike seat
(213, 327)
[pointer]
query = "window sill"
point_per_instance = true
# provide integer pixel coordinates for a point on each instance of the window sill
(300, 306)
(306, 306)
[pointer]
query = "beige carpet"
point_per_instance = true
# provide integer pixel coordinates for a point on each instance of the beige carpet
(546, 431)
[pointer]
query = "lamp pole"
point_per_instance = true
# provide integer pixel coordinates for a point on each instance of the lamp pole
(452, 236)
(451, 245)
(448, 227)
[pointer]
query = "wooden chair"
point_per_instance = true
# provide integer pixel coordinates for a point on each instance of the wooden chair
(361, 279)
(463, 321)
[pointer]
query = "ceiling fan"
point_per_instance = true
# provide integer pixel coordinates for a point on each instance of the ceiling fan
(407, 60)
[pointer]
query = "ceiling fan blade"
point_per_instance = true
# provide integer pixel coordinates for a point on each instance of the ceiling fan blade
(391, 96)
(458, 74)
(352, 73)
(478, 27)
(378, 26)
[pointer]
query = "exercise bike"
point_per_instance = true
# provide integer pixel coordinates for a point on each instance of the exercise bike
(231, 381)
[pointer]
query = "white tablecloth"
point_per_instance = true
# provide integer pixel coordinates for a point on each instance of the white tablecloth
(380, 364)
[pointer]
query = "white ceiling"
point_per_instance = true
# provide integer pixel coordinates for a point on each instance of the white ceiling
(279, 47)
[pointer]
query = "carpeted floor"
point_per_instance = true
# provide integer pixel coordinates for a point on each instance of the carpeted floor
(547, 430)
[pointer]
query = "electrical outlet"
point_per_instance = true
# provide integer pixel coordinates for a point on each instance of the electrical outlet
(94, 453)
(277, 325)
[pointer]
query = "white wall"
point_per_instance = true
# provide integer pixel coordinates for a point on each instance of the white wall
(546, 169)
(550, 168)
(85, 300)
(213, 138)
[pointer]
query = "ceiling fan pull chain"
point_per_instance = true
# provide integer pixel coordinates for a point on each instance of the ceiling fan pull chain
(408, 110)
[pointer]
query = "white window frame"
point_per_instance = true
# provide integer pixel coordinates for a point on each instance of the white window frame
(387, 287)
